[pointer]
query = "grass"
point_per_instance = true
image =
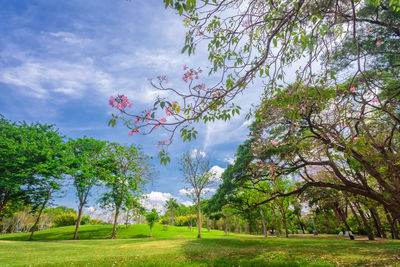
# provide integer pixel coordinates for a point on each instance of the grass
(104, 232)
(179, 247)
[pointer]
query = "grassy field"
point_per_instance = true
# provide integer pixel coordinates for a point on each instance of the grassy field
(179, 247)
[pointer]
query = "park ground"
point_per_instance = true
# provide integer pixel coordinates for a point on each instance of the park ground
(177, 246)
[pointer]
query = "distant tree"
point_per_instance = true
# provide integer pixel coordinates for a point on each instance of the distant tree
(172, 208)
(124, 171)
(152, 218)
(196, 173)
(83, 157)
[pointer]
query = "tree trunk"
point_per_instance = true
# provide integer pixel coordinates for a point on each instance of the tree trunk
(327, 222)
(277, 226)
(283, 213)
(263, 223)
(114, 233)
(341, 214)
(301, 224)
(355, 216)
(366, 224)
(150, 231)
(198, 218)
(393, 229)
(78, 222)
(38, 218)
(378, 224)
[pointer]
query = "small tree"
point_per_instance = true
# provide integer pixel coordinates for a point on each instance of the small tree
(83, 156)
(195, 169)
(151, 218)
(125, 170)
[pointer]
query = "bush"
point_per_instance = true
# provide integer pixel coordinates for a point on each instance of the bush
(65, 219)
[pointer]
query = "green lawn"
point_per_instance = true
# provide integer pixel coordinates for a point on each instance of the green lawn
(104, 231)
(178, 247)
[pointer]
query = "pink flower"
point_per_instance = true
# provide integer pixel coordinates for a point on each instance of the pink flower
(137, 120)
(157, 146)
(355, 138)
(203, 86)
(379, 73)
(168, 112)
(162, 120)
(246, 23)
(111, 101)
(166, 80)
(197, 76)
(375, 100)
(274, 143)
(133, 131)
(276, 120)
(184, 78)
(352, 89)
(303, 108)
(379, 43)
(185, 67)
(252, 133)
(345, 125)
(342, 94)
(174, 103)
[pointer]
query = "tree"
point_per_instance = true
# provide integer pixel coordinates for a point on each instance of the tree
(196, 173)
(47, 148)
(84, 154)
(125, 170)
(172, 208)
(152, 218)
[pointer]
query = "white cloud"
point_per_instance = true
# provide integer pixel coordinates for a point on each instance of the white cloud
(196, 152)
(184, 191)
(155, 200)
(230, 160)
(218, 171)
(158, 196)
(187, 203)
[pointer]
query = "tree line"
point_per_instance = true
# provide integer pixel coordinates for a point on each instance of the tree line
(38, 162)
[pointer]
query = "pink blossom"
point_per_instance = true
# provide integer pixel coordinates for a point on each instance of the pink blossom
(345, 125)
(185, 67)
(137, 120)
(274, 143)
(174, 103)
(355, 138)
(246, 23)
(342, 94)
(162, 120)
(166, 80)
(168, 112)
(379, 43)
(303, 108)
(111, 101)
(375, 100)
(379, 73)
(197, 76)
(252, 133)
(157, 146)
(276, 120)
(352, 89)
(133, 131)
(203, 86)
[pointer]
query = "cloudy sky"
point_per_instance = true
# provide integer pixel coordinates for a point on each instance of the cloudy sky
(60, 61)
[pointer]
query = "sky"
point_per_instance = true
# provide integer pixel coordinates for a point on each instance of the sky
(60, 61)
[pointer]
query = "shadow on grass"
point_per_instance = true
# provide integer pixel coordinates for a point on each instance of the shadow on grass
(288, 252)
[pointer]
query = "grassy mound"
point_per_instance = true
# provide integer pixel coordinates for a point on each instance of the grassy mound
(104, 231)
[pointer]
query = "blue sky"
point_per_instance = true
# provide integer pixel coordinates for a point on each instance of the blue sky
(60, 61)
